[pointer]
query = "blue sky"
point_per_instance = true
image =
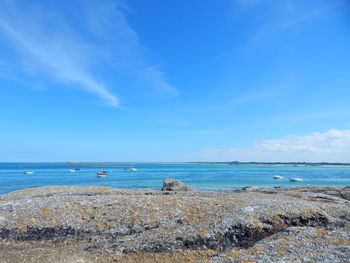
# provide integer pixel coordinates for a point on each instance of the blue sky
(174, 80)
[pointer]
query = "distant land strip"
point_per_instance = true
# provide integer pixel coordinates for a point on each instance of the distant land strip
(325, 164)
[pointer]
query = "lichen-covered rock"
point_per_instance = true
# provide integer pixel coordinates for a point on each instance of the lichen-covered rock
(294, 244)
(104, 223)
(170, 184)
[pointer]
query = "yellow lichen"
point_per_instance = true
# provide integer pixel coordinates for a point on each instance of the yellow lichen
(23, 228)
(230, 255)
(308, 212)
(102, 226)
(250, 251)
(277, 217)
(341, 243)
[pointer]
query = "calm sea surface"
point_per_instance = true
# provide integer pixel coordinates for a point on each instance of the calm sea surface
(203, 177)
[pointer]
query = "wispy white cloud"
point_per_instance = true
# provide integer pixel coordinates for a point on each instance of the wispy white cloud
(260, 95)
(278, 89)
(49, 41)
(158, 80)
(285, 15)
(331, 146)
(333, 141)
(309, 14)
(121, 43)
(56, 54)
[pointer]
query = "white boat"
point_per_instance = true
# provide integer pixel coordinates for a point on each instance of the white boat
(72, 170)
(28, 172)
(278, 177)
(295, 179)
(130, 168)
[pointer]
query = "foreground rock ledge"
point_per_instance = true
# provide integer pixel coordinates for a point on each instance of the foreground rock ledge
(103, 224)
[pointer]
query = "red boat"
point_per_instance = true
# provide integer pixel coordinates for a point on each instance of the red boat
(102, 174)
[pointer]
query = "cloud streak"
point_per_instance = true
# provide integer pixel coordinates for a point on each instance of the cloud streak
(331, 146)
(78, 52)
(311, 14)
(55, 54)
(158, 79)
(283, 16)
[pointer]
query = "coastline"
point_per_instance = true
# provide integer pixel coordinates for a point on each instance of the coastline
(303, 164)
(178, 224)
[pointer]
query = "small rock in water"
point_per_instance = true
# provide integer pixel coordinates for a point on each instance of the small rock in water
(170, 184)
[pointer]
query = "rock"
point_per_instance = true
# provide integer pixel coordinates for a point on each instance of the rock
(259, 189)
(104, 224)
(252, 188)
(295, 244)
(345, 195)
(327, 192)
(170, 184)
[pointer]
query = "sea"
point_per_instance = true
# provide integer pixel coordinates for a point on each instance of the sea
(149, 175)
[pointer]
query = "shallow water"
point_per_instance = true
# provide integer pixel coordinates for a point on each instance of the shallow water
(203, 177)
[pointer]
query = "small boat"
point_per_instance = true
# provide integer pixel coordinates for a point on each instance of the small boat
(131, 169)
(28, 172)
(278, 177)
(72, 170)
(295, 179)
(102, 174)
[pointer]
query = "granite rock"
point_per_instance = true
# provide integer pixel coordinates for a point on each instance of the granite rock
(170, 184)
(102, 224)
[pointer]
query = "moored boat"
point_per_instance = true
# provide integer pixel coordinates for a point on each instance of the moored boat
(278, 177)
(28, 172)
(295, 179)
(72, 170)
(102, 174)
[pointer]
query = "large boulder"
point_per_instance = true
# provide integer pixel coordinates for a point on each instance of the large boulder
(102, 224)
(170, 184)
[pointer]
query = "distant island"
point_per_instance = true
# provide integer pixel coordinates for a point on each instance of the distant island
(325, 164)
(277, 163)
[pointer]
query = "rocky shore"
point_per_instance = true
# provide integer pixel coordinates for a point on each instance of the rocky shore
(177, 224)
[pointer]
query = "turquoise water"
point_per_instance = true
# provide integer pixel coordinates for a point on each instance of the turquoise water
(203, 177)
